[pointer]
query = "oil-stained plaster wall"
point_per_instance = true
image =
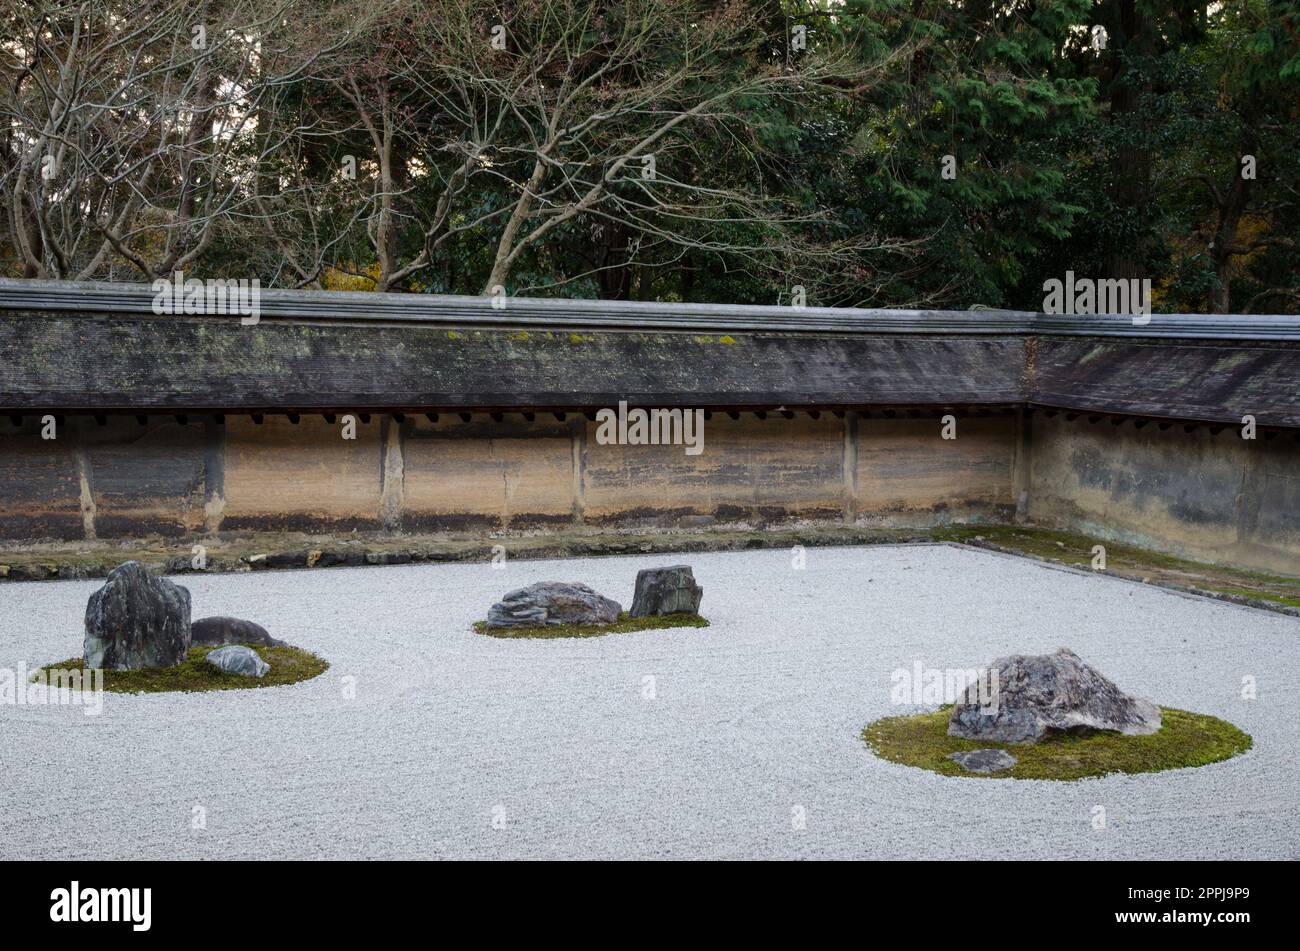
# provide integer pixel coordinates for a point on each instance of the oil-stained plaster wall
(473, 472)
(476, 473)
(1207, 495)
(907, 475)
(280, 475)
(1193, 493)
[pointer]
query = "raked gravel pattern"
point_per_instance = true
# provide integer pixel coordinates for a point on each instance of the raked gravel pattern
(741, 740)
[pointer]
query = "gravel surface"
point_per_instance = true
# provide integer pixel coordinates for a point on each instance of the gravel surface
(740, 740)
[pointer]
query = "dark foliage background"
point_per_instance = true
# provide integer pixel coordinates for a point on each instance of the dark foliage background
(796, 145)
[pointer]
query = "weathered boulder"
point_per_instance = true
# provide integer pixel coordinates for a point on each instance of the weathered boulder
(237, 659)
(983, 761)
(136, 620)
(670, 590)
(230, 630)
(553, 602)
(1041, 694)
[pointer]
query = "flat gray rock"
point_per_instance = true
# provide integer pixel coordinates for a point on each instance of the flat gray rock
(1042, 694)
(983, 761)
(231, 630)
(670, 590)
(553, 603)
(237, 659)
(136, 620)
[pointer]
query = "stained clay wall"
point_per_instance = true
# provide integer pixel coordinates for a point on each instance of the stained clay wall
(118, 477)
(1190, 492)
(1206, 495)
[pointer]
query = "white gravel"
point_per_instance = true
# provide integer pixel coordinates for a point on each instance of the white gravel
(461, 745)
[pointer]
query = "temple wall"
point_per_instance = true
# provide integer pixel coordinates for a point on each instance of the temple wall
(906, 474)
(749, 469)
(304, 476)
(1193, 493)
(478, 474)
(491, 473)
(1202, 495)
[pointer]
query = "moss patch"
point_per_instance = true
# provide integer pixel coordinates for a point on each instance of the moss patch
(624, 623)
(289, 665)
(1184, 739)
(1126, 561)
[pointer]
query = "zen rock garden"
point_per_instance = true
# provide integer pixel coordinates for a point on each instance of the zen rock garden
(1044, 716)
(424, 721)
(660, 593)
(138, 630)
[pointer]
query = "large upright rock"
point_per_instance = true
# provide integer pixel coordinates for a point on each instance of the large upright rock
(1037, 695)
(552, 603)
(137, 620)
(669, 590)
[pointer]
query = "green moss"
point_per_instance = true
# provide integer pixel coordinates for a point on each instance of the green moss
(623, 624)
(1127, 561)
(1292, 602)
(1184, 739)
(289, 665)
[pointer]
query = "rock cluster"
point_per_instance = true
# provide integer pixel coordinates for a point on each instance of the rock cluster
(670, 590)
(1038, 695)
(140, 620)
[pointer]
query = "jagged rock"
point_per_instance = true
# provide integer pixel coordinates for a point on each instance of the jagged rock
(237, 659)
(983, 761)
(136, 620)
(1037, 695)
(669, 590)
(230, 630)
(553, 602)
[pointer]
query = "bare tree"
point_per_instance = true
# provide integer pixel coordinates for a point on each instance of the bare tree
(591, 113)
(137, 138)
(133, 131)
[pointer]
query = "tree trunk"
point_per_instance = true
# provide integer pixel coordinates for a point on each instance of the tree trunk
(615, 274)
(1130, 164)
(1224, 247)
(506, 246)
